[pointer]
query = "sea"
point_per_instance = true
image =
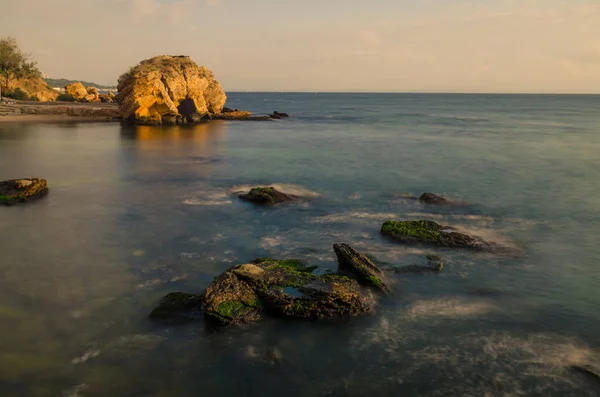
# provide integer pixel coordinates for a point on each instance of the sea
(134, 213)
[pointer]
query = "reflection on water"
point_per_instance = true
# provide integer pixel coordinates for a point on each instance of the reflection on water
(136, 212)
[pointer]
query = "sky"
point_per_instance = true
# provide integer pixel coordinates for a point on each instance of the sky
(530, 46)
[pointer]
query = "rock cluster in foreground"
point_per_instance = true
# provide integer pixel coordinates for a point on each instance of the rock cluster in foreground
(169, 90)
(283, 288)
(22, 190)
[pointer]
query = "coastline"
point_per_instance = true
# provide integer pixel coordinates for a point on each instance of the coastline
(52, 118)
(22, 111)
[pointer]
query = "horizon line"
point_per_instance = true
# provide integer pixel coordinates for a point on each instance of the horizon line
(411, 92)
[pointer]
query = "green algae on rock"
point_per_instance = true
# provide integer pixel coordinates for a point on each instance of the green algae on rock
(284, 288)
(363, 268)
(230, 300)
(429, 232)
(266, 196)
(22, 190)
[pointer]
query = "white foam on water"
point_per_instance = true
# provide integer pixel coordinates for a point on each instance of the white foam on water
(88, 355)
(287, 188)
(453, 308)
(270, 242)
(209, 199)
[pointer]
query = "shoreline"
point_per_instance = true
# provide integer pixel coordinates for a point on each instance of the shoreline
(54, 118)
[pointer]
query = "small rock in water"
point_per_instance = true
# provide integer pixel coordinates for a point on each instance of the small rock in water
(366, 271)
(429, 232)
(266, 196)
(430, 198)
(22, 190)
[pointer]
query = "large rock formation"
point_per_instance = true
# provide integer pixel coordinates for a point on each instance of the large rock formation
(76, 90)
(169, 90)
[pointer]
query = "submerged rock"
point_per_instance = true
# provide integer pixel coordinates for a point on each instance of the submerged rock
(177, 306)
(592, 373)
(266, 196)
(430, 198)
(429, 232)
(365, 270)
(22, 190)
(435, 264)
(277, 115)
(167, 89)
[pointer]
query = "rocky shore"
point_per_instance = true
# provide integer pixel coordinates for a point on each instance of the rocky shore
(12, 110)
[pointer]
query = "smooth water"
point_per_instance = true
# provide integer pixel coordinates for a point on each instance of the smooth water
(135, 213)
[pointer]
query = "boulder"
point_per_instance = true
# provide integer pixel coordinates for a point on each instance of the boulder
(89, 98)
(171, 87)
(228, 110)
(429, 232)
(430, 198)
(234, 115)
(365, 271)
(22, 190)
(266, 196)
(76, 90)
(104, 98)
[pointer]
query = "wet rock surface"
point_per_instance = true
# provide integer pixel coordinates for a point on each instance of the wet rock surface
(367, 273)
(282, 288)
(22, 190)
(430, 198)
(429, 232)
(266, 196)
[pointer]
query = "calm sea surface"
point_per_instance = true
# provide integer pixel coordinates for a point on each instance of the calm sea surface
(135, 213)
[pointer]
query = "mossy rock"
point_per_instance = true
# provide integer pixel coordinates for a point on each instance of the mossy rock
(286, 288)
(266, 196)
(365, 271)
(177, 306)
(429, 232)
(22, 190)
(231, 301)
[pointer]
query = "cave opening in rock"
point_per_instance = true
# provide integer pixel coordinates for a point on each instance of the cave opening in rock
(187, 109)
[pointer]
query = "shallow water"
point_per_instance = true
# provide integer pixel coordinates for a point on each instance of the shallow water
(135, 213)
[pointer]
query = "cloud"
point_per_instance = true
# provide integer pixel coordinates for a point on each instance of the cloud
(212, 3)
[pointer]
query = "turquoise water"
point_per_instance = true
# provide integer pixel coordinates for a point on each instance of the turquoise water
(135, 213)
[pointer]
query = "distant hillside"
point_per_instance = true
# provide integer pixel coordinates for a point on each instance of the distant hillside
(63, 82)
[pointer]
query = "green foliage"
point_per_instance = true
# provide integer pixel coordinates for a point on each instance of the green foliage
(17, 94)
(66, 98)
(15, 64)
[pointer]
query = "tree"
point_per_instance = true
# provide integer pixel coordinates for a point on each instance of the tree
(14, 63)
